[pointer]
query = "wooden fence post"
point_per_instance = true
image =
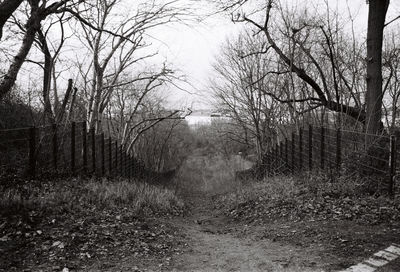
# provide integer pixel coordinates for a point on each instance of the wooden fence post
(110, 156)
(310, 147)
(272, 159)
(73, 148)
(93, 136)
(301, 149)
(338, 149)
(281, 154)
(135, 170)
(84, 147)
(286, 153)
(132, 170)
(130, 167)
(116, 157)
(293, 147)
(392, 165)
(124, 164)
(322, 147)
(277, 155)
(120, 161)
(55, 145)
(103, 155)
(134, 165)
(32, 152)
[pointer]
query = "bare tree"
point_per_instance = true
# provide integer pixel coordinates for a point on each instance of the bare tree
(113, 54)
(391, 78)
(371, 115)
(135, 107)
(244, 88)
(39, 11)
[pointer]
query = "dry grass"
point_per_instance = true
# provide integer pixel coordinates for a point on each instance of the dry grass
(289, 187)
(75, 194)
(134, 195)
(278, 187)
(210, 174)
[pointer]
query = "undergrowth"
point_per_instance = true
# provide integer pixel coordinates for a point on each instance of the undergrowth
(285, 187)
(212, 174)
(310, 196)
(76, 194)
(84, 224)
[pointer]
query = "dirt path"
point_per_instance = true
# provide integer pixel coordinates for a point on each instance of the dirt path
(215, 246)
(216, 243)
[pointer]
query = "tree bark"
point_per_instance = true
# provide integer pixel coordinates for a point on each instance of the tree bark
(32, 26)
(7, 8)
(95, 120)
(47, 72)
(68, 92)
(376, 22)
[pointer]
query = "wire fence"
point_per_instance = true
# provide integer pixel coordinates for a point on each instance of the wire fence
(72, 149)
(335, 151)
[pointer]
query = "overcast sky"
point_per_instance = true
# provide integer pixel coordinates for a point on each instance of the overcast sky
(192, 48)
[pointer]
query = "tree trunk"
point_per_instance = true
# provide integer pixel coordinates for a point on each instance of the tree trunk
(32, 25)
(47, 72)
(7, 8)
(95, 120)
(57, 104)
(374, 96)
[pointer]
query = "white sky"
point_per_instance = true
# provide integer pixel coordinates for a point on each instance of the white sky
(192, 48)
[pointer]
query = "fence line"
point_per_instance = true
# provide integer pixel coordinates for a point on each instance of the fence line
(334, 150)
(35, 151)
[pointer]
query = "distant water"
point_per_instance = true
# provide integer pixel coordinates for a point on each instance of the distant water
(198, 120)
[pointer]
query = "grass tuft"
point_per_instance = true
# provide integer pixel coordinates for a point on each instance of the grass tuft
(75, 194)
(134, 195)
